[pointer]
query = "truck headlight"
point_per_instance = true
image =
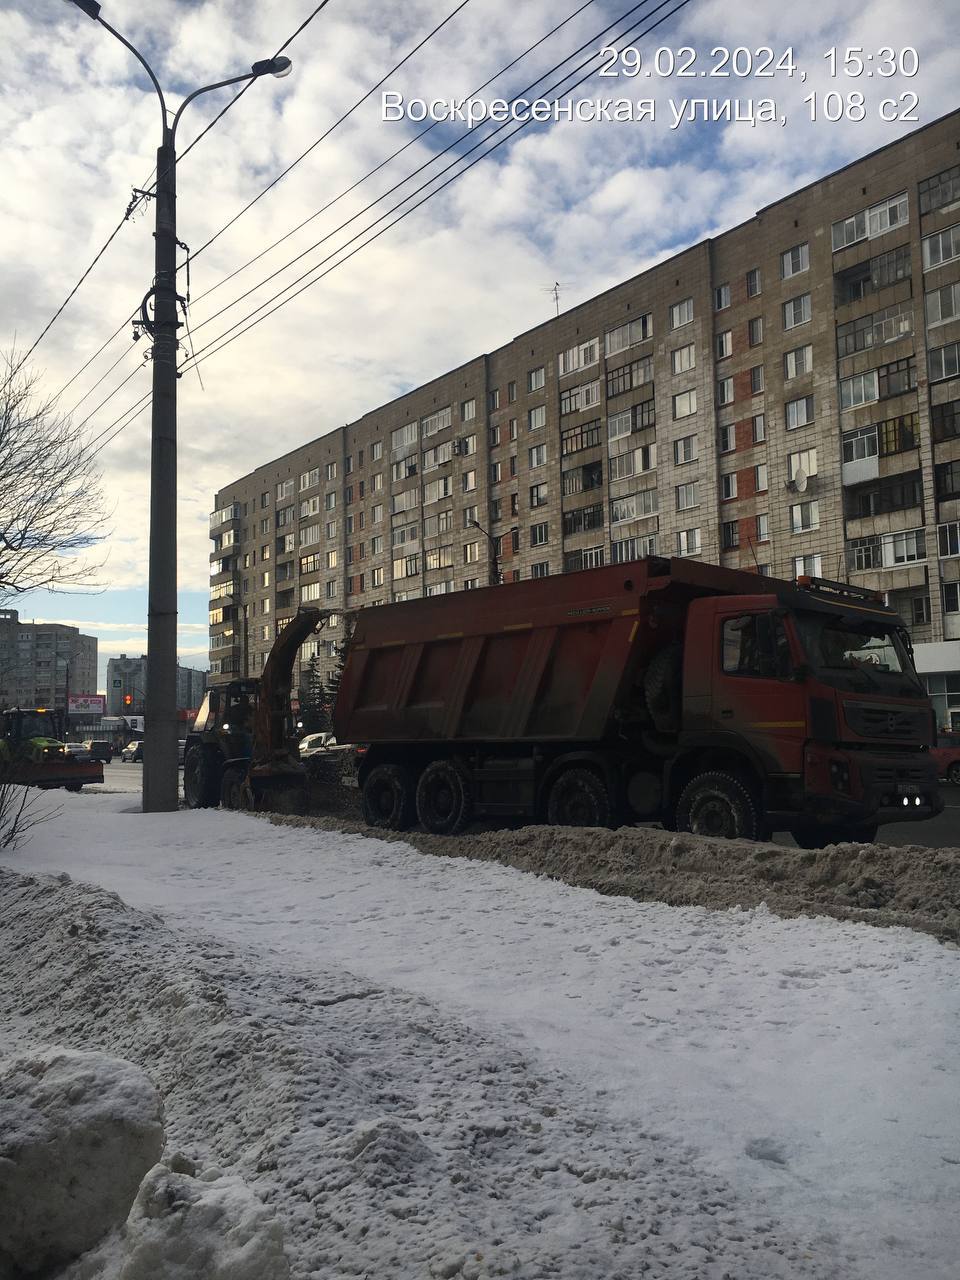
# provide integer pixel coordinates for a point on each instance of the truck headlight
(840, 776)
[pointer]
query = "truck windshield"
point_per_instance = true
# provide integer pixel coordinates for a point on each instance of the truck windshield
(856, 653)
(37, 725)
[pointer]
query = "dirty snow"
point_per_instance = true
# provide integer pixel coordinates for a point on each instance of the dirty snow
(433, 1066)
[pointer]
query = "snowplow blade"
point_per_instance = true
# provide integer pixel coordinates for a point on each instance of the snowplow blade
(57, 773)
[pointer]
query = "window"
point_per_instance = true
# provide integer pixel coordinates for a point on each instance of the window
(685, 450)
(512, 464)
(858, 390)
(468, 410)
(330, 501)
(681, 313)
(330, 471)
(496, 472)
(797, 361)
(943, 304)
(756, 379)
(940, 190)
(628, 335)
(684, 358)
(796, 311)
(511, 392)
(588, 558)
(540, 570)
(685, 404)
(759, 428)
(876, 220)
(493, 400)
(753, 282)
(896, 378)
(763, 527)
(493, 437)
(798, 413)
(727, 439)
(943, 246)
(435, 490)
(945, 419)
(539, 534)
(583, 519)
(468, 481)
(264, 500)
(721, 297)
(945, 362)
(309, 478)
(538, 495)
(579, 357)
(310, 507)
(284, 490)
(376, 577)
(688, 542)
(633, 548)
(537, 456)
(688, 495)
(805, 516)
(725, 391)
(331, 559)
(728, 486)
(760, 477)
(634, 507)
(376, 451)
(403, 437)
(469, 517)
(860, 444)
(376, 544)
(755, 331)
(812, 566)
(804, 460)
(630, 376)
(573, 439)
(438, 421)
(794, 260)
(729, 535)
(576, 399)
(377, 512)
(536, 379)
(537, 417)
(724, 345)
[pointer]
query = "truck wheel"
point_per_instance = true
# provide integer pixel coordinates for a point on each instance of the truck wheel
(953, 773)
(201, 779)
(811, 836)
(718, 804)
(579, 798)
(662, 687)
(387, 798)
(231, 789)
(444, 802)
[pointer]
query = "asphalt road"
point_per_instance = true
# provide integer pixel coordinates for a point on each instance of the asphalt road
(940, 832)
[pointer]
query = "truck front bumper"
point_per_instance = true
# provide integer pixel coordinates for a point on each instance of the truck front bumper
(862, 787)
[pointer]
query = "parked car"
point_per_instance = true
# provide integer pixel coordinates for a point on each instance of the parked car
(133, 751)
(77, 750)
(947, 755)
(314, 743)
(99, 749)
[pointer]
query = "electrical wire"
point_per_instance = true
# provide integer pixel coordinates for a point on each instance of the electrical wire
(205, 351)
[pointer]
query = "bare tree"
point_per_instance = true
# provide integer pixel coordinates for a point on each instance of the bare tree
(51, 500)
(18, 813)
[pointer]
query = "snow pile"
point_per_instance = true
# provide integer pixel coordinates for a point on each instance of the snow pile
(186, 1228)
(879, 884)
(78, 1131)
(388, 1139)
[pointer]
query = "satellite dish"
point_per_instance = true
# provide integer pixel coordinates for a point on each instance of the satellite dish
(800, 479)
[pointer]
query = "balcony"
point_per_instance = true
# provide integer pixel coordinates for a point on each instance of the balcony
(227, 591)
(224, 518)
(886, 551)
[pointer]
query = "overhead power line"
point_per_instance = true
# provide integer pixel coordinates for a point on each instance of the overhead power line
(205, 351)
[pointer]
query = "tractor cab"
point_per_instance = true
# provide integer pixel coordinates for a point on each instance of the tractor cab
(33, 734)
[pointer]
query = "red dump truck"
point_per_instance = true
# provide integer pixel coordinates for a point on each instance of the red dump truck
(714, 700)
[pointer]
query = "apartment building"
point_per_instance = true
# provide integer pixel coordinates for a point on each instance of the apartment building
(784, 397)
(42, 663)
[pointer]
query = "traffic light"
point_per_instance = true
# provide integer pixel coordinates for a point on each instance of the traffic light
(128, 699)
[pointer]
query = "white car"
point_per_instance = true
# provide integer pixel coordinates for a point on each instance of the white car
(316, 743)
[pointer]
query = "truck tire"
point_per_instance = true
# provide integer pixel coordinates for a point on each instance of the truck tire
(579, 798)
(201, 779)
(813, 836)
(231, 789)
(444, 800)
(718, 804)
(662, 687)
(387, 798)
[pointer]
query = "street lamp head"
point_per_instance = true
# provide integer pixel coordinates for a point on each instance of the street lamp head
(89, 7)
(269, 66)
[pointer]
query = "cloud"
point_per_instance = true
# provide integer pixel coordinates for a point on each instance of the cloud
(586, 204)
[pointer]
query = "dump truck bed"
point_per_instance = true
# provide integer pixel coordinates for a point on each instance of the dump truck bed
(546, 659)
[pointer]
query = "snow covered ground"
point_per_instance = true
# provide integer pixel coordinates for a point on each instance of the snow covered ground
(787, 1088)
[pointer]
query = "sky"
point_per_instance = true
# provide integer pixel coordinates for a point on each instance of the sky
(582, 203)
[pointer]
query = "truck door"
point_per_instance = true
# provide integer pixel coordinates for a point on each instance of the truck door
(755, 695)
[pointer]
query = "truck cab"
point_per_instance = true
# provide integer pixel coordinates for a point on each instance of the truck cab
(813, 691)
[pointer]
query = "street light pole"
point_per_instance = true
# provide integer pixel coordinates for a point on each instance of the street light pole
(160, 777)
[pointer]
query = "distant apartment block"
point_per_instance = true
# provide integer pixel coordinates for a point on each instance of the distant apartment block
(42, 663)
(784, 397)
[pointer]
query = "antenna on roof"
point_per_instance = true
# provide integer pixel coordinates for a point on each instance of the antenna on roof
(555, 290)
